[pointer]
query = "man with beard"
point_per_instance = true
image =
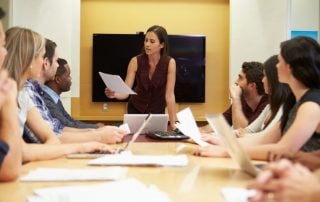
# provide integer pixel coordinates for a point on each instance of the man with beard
(247, 97)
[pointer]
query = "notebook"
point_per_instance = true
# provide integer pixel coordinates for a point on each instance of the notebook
(158, 122)
(126, 148)
(235, 150)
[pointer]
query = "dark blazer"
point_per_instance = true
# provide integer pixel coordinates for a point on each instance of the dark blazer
(58, 112)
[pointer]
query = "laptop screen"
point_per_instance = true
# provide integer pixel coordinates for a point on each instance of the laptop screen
(158, 122)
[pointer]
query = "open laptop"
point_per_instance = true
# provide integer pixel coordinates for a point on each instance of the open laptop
(235, 150)
(127, 146)
(158, 122)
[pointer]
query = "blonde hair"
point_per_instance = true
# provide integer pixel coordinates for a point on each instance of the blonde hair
(23, 46)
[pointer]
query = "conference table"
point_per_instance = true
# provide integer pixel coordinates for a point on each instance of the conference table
(201, 180)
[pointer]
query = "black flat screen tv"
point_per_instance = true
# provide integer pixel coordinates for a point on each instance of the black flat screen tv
(112, 53)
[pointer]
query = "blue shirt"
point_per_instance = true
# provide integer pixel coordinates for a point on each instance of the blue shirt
(4, 148)
(55, 97)
(35, 92)
(54, 104)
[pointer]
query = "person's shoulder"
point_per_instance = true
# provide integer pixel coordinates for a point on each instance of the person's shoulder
(172, 60)
(314, 91)
(312, 95)
(135, 58)
(31, 85)
(134, 62)
(140, 55)
(28, 84)
(167, 59)
(47, 98)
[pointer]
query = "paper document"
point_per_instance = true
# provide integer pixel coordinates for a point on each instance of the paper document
(120, 191)
(64, 174)
(235, 194)
(125, 127)
(188, 126)
(141, 160)
(116, 84)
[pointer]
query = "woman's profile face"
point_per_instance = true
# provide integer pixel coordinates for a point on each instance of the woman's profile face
(283, 69)
(152, 44)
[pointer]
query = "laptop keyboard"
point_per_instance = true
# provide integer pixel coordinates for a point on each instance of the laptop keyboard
(100, 152)
(168, 135)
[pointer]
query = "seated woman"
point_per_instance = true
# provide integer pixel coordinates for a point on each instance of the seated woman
(154, 74)
(299, 128)
(277, 94)
(24, 60)
(10, 144)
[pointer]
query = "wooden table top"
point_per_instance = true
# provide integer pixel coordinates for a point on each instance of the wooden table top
(201, 180)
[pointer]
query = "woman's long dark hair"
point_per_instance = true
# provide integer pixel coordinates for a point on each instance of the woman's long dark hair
(303, 56)
(278, 92)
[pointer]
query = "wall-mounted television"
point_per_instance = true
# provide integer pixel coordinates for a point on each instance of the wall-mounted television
(112, 53)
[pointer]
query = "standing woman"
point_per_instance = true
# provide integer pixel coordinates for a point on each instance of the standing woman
(154, 75)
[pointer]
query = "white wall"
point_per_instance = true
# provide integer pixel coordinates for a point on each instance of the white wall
(58, 20)
(258, 26)
(5, 5)
(304, 15)
(256, 29)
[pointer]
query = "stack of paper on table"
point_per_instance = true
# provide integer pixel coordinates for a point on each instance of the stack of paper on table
(235, 194)
(141, 160)
(120, 191)
(63, 174)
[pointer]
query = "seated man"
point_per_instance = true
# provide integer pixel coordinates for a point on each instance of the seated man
(33, 87)
(51, 95)
(248, 97)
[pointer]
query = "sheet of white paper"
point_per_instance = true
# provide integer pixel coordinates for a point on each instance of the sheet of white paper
(188, 126)
(236, 194)
(115, 83)
(120, 191)
(125, 127)
(64, 174)
(141, 160)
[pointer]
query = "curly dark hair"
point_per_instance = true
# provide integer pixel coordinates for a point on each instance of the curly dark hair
(254, 74)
